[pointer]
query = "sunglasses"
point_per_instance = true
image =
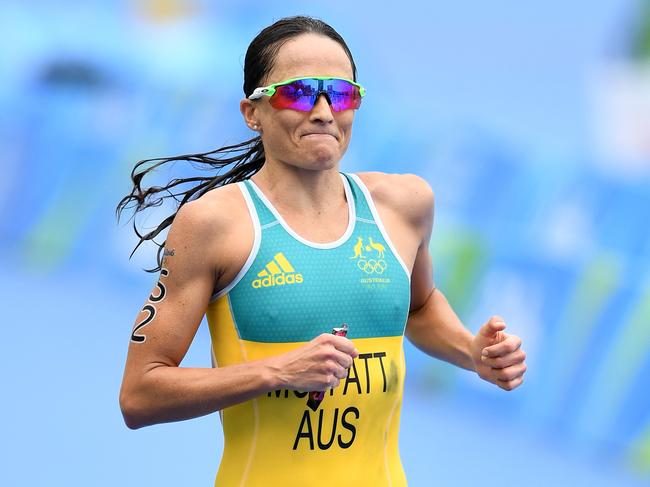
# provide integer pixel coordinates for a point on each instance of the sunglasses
(301, 93)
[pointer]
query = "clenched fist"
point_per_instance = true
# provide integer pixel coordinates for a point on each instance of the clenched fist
(317, 365)
(497, 356)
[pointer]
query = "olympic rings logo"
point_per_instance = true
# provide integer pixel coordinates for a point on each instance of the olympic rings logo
(371, 266)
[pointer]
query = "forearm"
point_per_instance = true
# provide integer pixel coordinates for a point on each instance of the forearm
(165, 394)
(437, 331)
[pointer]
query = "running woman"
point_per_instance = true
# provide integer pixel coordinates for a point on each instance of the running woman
(309, 277)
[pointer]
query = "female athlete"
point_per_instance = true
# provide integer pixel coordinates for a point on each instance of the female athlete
(279, 251)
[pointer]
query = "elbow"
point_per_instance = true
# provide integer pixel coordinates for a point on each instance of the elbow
(132, 412)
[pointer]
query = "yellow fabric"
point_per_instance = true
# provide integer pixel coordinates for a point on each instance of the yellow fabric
(276, 440)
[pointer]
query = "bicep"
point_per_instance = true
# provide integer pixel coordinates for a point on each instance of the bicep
(421, 278)
(167, 323)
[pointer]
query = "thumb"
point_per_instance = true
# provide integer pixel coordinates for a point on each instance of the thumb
(492, 327)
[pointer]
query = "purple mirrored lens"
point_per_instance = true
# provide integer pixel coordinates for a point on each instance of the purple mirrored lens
(301, 95)
(342, 94)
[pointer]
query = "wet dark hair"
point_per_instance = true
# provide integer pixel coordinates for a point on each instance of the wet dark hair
(259, 62)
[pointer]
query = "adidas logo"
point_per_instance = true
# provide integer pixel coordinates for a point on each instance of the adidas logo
(278, 272)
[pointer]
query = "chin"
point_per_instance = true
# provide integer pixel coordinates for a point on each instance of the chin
(325, 163)
(317, 165)
(323, 156)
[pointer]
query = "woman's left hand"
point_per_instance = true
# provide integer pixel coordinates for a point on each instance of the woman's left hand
(497, 356)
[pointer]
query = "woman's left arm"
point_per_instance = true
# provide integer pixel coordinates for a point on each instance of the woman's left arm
(434, 327)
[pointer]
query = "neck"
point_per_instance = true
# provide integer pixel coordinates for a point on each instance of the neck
(301, 190)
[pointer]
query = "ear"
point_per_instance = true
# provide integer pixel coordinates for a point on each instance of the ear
(248, 110)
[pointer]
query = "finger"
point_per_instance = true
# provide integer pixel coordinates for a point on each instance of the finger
(336, 369)
(492, 327)
(343, 359)
(337, 343)
(509, 345)
(510, 385)
(344, 345)
(516, 357)
(341, 373)
(510, 373)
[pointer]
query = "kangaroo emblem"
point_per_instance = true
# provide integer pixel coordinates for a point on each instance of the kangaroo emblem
(377, 246)
(358, 247)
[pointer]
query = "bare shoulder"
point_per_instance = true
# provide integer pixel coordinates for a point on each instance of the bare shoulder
(211, 229)
(408, 194)
(211, 215)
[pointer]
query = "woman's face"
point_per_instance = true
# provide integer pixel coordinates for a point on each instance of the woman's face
(285, 132)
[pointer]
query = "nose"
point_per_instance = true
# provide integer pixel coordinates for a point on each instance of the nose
(321, 109)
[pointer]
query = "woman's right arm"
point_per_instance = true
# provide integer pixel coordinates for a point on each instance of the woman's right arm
(155, 389)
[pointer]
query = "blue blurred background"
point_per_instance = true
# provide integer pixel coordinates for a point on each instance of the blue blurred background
(530, 120)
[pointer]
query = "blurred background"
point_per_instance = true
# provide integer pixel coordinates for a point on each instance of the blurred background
(530, 120)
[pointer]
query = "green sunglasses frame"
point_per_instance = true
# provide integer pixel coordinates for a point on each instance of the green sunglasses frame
(270, 89)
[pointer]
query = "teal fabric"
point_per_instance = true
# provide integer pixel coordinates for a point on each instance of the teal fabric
(363, 288)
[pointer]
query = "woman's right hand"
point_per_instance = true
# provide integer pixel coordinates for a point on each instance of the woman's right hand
(315, 366)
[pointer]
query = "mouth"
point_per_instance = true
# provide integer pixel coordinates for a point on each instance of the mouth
(318, 135)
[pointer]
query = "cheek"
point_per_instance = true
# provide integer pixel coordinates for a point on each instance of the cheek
(282, 135)
(277, 133)
(280, 120)
(288, 123)
(345, 120)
